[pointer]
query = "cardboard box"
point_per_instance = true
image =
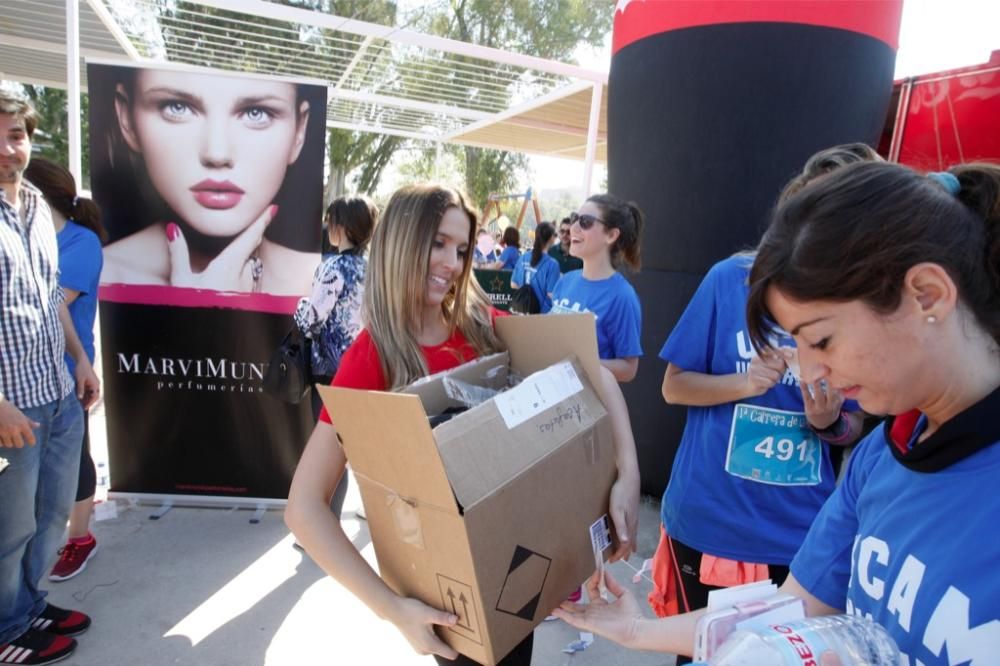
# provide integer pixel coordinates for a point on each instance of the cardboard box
(488, 514)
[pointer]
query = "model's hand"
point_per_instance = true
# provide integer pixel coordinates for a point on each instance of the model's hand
(15, 427)
(823, 404)
(88, 386)
(765, 371)
(230, 271)
(616, 620)
(624, 509)
(416, 621)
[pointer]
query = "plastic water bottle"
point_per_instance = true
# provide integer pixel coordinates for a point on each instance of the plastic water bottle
(833, 640)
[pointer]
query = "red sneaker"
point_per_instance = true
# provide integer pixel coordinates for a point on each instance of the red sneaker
(33, 648)
(73, 558)
(62, 622)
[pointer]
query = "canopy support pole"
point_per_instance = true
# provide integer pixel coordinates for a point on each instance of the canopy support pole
(595, 119)
(73, 89)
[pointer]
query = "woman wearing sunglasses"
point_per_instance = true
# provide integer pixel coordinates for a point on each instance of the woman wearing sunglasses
(605, 234)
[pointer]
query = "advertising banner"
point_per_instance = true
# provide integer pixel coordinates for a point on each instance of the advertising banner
(496, 284)
(211, 188)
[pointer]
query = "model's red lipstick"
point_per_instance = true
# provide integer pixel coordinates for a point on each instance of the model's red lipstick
(215, 194)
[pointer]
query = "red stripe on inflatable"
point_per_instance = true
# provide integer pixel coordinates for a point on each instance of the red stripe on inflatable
(637, 19)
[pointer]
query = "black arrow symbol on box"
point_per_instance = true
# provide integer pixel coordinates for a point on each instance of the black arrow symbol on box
(465, 610)
(451, 595)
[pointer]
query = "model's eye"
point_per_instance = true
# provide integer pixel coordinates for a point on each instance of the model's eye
(463, 252)
(175, 110)
(258, 116)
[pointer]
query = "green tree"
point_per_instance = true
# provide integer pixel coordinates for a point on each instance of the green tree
(545, 28)
(347, 150)
(51, 140)
(551, 29)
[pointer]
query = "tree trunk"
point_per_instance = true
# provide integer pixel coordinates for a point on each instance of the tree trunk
(336, 185)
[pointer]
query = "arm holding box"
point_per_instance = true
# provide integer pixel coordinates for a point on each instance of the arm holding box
(624, 369)
(624, 500)
(309, 517)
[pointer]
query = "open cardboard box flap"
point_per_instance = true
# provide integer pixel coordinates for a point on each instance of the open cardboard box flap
(368, 419)
(489, 445)
(537, 341)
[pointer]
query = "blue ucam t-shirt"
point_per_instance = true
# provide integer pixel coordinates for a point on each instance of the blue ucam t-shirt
(80, 263)
(509, 257)
(914, 546)
(749, 477)
(615, 304)
(542, 277)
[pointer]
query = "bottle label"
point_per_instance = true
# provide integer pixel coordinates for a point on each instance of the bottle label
(802, 647)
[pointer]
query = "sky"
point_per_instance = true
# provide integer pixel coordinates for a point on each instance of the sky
(934, 35)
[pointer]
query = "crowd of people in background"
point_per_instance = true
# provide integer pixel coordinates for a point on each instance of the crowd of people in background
(824, 321)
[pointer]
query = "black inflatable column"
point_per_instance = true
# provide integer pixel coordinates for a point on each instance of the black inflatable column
(712, 107)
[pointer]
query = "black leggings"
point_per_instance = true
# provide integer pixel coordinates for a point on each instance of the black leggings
(695, 593)
(86, 484)
(519, 656)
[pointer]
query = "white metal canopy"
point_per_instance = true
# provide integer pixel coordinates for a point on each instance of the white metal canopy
(381, 78)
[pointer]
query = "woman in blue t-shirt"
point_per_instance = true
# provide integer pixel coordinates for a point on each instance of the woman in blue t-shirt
(908, 328)
(79, 234)
(537, 268)
(605, 233)
(753, 467)
(511, 240)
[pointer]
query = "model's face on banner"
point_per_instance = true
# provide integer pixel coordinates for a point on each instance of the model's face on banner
(216, 148)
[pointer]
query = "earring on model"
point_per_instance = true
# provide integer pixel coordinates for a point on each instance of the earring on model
(931, 319)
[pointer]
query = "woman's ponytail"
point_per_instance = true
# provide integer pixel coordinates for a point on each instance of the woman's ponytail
(87, 214)
(544, 233)
(59, 189)
(979, 190)
(631, 251)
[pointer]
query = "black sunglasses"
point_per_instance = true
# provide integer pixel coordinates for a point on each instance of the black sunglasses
(585, 221)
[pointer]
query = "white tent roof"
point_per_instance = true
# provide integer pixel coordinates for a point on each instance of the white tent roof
(381, 78)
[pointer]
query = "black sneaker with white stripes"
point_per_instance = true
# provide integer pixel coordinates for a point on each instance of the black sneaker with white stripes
(61, 622)
(34, 648)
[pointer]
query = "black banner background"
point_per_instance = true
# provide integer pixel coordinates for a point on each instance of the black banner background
(183, 362)
(190, 428)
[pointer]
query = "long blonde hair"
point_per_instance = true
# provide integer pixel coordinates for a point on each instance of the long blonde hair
(396, 282)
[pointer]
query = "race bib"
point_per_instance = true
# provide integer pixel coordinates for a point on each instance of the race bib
(774, 446)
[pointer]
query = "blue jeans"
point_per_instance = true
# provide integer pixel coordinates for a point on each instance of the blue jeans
(36, 494)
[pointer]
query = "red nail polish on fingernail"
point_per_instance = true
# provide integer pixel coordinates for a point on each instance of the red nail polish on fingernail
(274, 210)
(172, 232)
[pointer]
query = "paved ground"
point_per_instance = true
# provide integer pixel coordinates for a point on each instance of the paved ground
(206, 587)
